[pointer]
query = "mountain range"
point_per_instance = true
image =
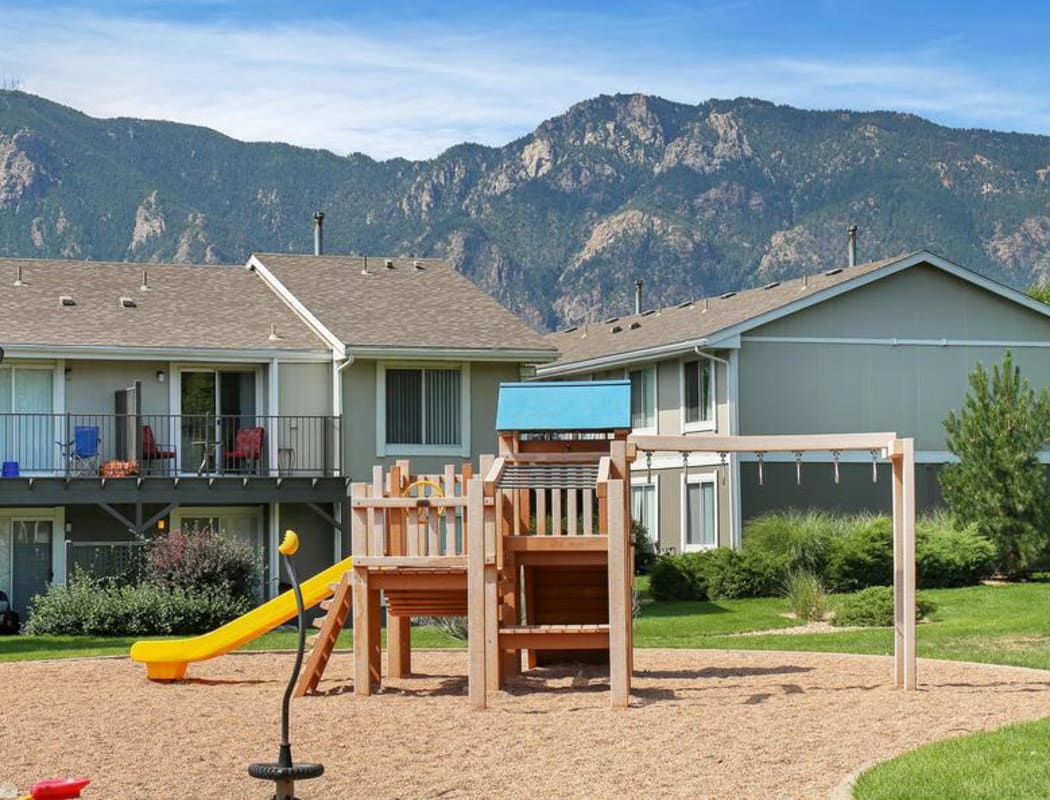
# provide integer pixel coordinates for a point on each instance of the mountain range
(693, 199)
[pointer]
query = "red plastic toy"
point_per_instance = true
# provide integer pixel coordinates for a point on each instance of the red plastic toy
(61, 789)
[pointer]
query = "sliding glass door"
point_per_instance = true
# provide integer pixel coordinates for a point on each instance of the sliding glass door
(215, 404)
(27, 428)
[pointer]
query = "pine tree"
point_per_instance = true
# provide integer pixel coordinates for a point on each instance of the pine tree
(999, 484)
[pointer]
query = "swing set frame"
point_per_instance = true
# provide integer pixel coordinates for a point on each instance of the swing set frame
(885, 446)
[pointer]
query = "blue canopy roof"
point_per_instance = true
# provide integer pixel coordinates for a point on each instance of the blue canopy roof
(564, 406)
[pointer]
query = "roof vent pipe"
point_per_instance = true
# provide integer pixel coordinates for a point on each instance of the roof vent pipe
(18, 276)
(145, 287)
(851, 233)
(638, 296)
(318, 233)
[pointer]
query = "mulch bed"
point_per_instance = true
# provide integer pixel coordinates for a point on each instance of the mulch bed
(701, 724)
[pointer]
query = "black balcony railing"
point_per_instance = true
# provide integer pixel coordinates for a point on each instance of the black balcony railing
(114, 445)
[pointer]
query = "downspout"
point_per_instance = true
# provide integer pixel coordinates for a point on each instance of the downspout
(337, 417)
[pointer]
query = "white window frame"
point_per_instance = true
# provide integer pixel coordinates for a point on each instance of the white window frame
(704, 425)
(56, 515)
(651, 370)
(654, 536)
(461, 449)
(58, 403)
(697, 478)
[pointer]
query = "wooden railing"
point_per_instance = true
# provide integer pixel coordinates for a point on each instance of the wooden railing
(541, 495)
(405, 520)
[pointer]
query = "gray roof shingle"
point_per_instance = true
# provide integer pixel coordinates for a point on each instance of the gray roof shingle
(401, 306)
(186, 306)
(698, 319)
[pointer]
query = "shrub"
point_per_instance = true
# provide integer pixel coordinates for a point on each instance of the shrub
(90, 607)
(862, 555)
(197, 560)
(793, 540)
(724, 573)
(677, 578)
(644, 549)
(873, 607)
(948, 556)
(456, 627)
(805, 595)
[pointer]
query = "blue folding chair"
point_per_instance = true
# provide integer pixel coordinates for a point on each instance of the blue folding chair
(82, 453)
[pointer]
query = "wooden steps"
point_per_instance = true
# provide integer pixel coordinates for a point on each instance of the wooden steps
(331, 625)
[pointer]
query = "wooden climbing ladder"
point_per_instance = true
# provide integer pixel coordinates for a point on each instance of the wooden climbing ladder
(336, 608)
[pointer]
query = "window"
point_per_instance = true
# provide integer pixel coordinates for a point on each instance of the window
(240, 524)
(698, 381)
(423, 410)
(643, 398)
(27, 430)
(643, 509)
(700, 512)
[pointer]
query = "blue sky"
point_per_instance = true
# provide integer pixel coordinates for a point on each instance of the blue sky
(402, 78)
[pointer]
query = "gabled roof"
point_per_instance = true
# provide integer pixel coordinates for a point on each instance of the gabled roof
(715, 320)
(418, 307)
(186, 307)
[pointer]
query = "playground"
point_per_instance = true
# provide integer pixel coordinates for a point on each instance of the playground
(700, 724)
(532, 546)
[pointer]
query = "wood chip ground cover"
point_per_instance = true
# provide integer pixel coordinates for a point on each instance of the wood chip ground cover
(703, 724)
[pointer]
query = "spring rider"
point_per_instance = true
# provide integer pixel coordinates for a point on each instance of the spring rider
(285, 772)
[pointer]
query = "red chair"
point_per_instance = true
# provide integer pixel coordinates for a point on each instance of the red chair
(151, 451)
(246, 455)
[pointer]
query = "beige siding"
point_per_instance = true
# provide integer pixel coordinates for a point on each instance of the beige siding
(669, 505)
(669, 396)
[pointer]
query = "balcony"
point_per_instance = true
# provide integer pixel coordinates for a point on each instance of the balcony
(166, 445)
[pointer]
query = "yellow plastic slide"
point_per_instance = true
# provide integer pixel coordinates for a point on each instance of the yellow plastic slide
(166, 660)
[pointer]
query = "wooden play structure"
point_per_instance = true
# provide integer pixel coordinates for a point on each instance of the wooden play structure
(534, 548)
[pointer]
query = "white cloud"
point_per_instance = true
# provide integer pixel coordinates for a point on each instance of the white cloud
(414, 93)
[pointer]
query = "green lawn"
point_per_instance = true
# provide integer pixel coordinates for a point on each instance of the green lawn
(1012, 762)
(994, 624)
(24, 648)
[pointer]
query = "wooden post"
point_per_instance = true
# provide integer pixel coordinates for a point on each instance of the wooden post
(619, 606)
(510, 660)
(398, 646)
(908, 536)
(494, 533)
(375, 638)
(476, 592)
(362, 633)
(903, 458)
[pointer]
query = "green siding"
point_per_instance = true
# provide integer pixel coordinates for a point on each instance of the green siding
(855, 493)
(827, 387)
(359, 409)
(91, 385)
(921, 302)
(304, 389)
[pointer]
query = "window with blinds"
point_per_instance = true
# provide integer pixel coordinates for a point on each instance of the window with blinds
(423, 406)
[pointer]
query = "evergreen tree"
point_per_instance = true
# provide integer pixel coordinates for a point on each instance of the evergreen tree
(999, 484)
(1040, 292)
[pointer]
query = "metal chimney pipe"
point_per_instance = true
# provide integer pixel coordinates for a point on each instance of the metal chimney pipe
(851, 232)
(638, 296)
(318, 233)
